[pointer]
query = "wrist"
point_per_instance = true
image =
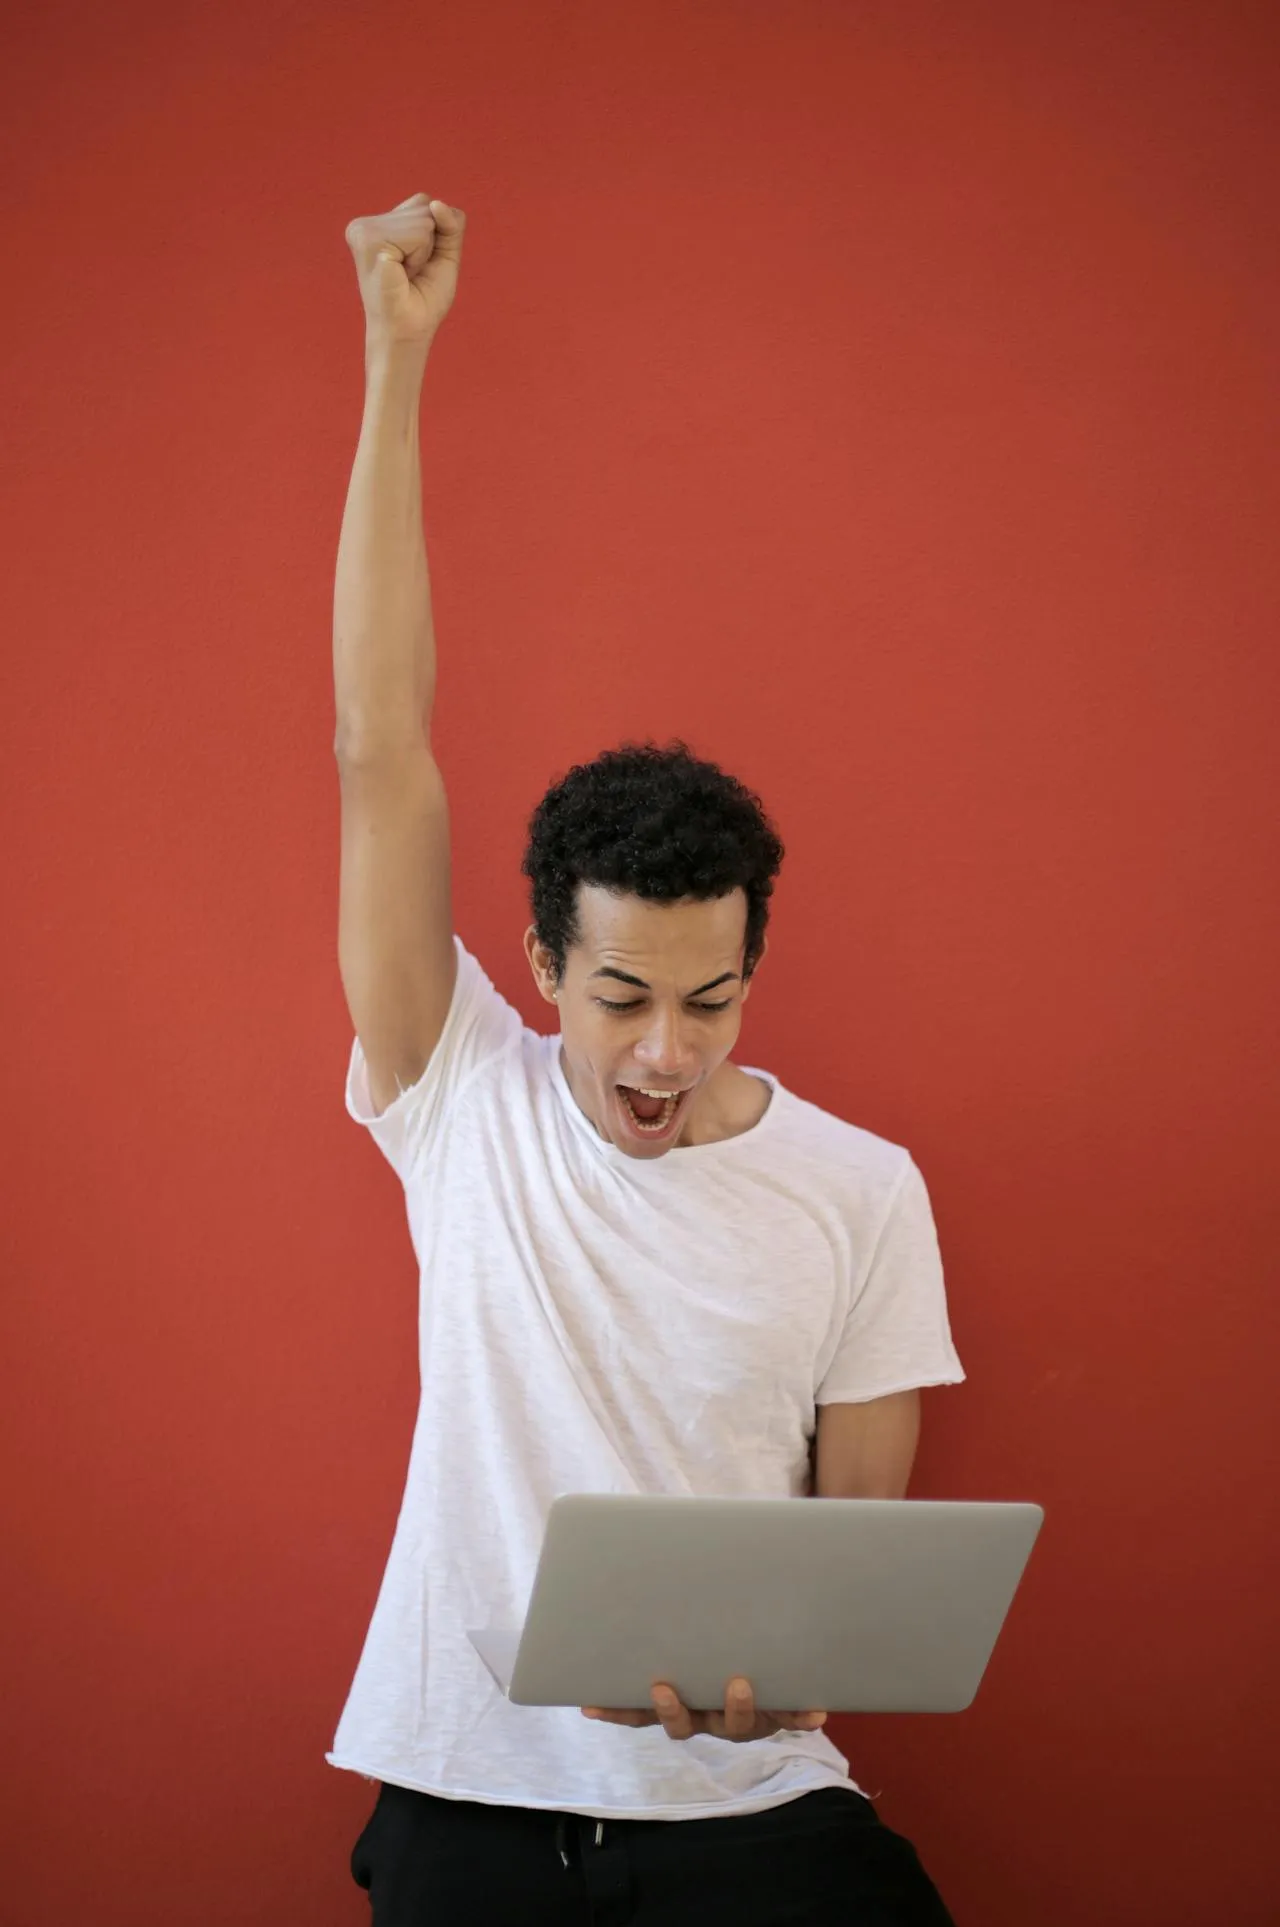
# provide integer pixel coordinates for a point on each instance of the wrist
(388, 359)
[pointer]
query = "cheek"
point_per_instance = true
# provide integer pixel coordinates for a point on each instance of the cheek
(728, 1037)
(591, 1040)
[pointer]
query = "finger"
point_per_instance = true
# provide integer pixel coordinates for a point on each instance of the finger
(450, 226)
(408, 234)
(739, 1710)
(619, 1715)
(418, 241)
(678, 1722)
(406, 228)
(798, 1722)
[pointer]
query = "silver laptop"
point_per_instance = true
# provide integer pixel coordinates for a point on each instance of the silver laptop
(843, 1605)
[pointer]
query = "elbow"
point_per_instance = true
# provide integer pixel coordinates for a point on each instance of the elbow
(359, 744)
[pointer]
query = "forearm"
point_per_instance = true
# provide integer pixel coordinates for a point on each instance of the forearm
(384, 659)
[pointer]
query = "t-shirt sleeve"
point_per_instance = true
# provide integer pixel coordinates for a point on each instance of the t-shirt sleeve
(897, 1334)
(480, 1025)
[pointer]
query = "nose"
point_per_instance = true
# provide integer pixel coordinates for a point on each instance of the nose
(664, 1049)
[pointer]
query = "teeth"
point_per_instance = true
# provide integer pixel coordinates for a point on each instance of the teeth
(659, 1123)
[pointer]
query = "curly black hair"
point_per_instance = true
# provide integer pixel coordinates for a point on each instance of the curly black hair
(652, 822)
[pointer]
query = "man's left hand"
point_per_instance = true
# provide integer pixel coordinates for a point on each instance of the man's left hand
(738, 1721)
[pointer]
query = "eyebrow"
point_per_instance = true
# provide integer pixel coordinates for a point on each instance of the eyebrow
(730, 976)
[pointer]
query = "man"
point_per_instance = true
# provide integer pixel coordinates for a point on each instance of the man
(644, 1268)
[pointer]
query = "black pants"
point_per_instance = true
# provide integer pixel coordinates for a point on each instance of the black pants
(823, 1860)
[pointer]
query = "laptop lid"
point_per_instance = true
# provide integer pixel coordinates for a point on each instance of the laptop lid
(849, 1605)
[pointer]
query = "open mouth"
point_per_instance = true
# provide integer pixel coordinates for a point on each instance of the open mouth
(664, 1121)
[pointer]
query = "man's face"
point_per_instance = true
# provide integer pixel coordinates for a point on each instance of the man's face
(651, 1000)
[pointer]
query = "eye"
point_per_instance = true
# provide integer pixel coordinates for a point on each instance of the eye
(605, 1004)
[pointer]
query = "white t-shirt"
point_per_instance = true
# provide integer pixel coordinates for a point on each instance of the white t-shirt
(590, 1322)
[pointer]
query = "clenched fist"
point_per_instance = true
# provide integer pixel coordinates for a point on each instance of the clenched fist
(407, 264)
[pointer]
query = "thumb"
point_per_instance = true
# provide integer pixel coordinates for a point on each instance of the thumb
(389, 270)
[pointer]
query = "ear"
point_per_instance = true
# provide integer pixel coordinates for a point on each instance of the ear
(540, 961)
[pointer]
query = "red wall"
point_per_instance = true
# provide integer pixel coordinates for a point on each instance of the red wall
(883, 397)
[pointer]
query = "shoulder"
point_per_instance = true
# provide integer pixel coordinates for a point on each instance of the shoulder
(853, 1161)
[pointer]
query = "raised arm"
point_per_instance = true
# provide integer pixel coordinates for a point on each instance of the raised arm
(395, 923)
